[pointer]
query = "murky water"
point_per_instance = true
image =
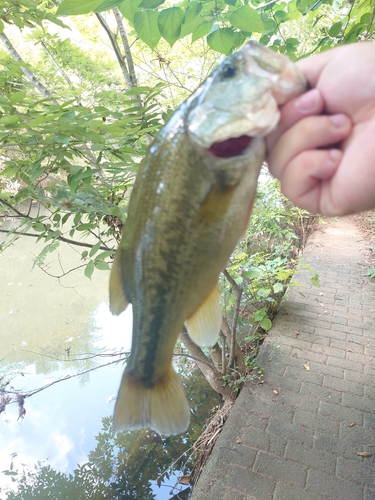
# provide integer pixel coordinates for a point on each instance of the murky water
(65, 447)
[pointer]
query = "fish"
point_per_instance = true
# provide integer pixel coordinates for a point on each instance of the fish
(190, 204)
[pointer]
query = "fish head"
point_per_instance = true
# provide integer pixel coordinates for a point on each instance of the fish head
(241, 99)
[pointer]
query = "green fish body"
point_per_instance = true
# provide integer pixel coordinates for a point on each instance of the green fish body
(190, 204)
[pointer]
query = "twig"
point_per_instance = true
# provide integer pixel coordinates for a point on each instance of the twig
(67, 377)
(60, 238)
(238, 291)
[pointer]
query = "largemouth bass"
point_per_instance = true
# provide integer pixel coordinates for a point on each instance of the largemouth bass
(190, 204)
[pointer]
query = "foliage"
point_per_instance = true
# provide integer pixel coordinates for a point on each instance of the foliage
(227, 24)
(371, 273)
(77, 162)
(263, 263)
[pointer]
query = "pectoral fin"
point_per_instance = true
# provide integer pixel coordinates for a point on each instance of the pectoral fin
(117, 299)
(204, 325)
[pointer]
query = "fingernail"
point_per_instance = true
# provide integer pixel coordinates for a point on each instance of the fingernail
(335, 155)
(339, 120)
(308, 101)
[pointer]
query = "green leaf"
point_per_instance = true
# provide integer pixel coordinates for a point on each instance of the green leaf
(281, 16)
(266, 324)
(95, 248)
(151, 4)
(305, 5)
(192, 19)
(129, 8)
(270, 26)
(278, 287)
(335, 29)
(221, 40)
(104, 255)
(10, 171)
(247, 19)
(146, 25)
(292, 42)
(89, 269)
(264, 292)
(107, 4)
(169, 24)
(39, 227)
(101, 265)
(86, 226)
(315, 281)
(9, 119)
(1, 26)
(16, 97)
(61, 139)
(253, 272)
(201, 30)
(259, 315)
(73, 8)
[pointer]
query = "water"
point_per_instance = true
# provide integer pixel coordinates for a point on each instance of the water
(65, 447)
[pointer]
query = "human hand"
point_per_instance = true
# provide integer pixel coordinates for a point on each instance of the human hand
(323, 150)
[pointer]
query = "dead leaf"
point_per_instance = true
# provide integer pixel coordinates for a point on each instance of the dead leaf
(238, 440)
(350, 424)
(350, 350)
(275, 391)
(306, 365)
(184, 479)
(364, 454)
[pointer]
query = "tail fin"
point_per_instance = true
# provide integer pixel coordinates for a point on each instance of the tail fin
(162, 407)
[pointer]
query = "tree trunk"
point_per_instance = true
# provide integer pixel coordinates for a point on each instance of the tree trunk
(117, 51)
(28, 73)
(125, 42)
(211, 374)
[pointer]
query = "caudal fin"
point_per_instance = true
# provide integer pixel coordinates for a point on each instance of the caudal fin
(162, 407)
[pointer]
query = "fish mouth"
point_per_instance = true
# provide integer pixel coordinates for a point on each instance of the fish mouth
(229, 148)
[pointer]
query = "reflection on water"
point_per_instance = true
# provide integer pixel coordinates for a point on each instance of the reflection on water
(50, 329)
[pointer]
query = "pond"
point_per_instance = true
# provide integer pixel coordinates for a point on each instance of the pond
(64, 446)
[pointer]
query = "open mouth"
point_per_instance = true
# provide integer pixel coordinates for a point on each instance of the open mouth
(231, 147)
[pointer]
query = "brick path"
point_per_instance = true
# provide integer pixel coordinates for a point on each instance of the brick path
(302, 444)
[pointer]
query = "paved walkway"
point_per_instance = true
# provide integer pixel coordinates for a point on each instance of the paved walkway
(297, 436)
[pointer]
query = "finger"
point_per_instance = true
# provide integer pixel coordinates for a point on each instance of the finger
(306, 179)
(312, 67)
(310, 133)
(309, 103)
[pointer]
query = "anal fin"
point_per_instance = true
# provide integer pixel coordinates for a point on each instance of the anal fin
(162, 407)
(204, 325)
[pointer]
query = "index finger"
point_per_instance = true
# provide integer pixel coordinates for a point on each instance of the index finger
(308, 104)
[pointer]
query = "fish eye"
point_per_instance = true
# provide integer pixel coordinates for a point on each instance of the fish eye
(229, 71)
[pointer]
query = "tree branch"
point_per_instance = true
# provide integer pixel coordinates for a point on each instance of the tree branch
(116, 49)
(60, 238)
(28, 73)
(125, 43)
